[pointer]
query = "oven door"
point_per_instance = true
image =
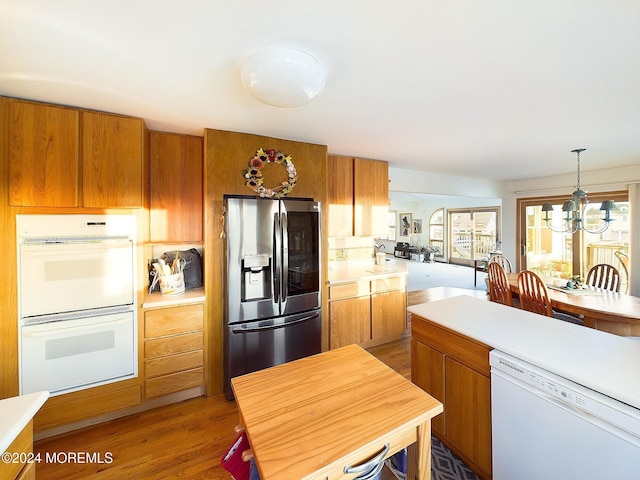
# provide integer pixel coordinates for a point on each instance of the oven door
(69, 355)
(63, 277)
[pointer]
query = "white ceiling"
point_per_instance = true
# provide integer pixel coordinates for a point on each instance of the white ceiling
(497, 89)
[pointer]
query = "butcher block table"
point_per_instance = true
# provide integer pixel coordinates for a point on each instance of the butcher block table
(310, 418)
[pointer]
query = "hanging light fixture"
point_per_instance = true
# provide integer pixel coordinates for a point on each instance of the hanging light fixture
(575, 208)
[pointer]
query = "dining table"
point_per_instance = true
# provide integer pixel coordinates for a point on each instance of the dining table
(604, 310)
(325, 416)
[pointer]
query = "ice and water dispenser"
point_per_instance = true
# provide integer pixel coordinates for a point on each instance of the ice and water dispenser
(256, 274)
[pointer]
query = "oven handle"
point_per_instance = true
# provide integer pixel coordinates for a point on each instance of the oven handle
(70, 249)
(56, 331)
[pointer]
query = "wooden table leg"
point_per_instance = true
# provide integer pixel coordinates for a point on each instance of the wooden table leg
(419, 454)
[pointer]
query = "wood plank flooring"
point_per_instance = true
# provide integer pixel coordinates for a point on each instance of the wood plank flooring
(183, 440)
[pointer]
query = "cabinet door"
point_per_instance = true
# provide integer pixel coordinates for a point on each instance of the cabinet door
(427, 372)
(468, 407)
(112, 161)
(43, 155)
(175, 187)
(370, 197)
(349, 321)
(388, 314)
(340, 196)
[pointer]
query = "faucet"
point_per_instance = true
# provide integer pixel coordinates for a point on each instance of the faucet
(378, 247)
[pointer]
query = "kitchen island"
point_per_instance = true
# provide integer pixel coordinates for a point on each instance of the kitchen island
(451, 341)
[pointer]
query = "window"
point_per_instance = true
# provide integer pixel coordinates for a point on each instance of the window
(436, 231)
(473, 234)
(563, 255)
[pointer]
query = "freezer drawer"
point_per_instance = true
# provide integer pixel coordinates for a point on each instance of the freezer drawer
(252, 346)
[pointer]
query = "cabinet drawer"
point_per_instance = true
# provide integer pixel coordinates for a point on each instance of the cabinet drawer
(173, 363)
(349, 290)
(169, 321)
(175, 382)
(388, 284)
(172, 345)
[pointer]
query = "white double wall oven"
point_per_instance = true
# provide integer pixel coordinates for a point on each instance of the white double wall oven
(76, 295)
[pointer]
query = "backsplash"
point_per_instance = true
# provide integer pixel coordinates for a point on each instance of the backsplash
(350, 248)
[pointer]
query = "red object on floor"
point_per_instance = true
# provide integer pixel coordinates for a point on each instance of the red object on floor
(232, 459)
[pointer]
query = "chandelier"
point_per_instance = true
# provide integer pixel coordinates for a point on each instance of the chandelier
(574, 210)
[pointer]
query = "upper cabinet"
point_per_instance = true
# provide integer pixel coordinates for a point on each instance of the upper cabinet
(43, 155)
(357, 196)
(370, 197)
(113, 152)
(340, 196)
(175, 187)
(65, 157)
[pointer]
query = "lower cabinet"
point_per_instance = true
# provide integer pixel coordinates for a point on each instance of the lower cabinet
(367, 312)
(455, 370)
(173, 349)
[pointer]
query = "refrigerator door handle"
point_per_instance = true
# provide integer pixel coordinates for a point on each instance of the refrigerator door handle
(285, 257)
(273, 327)
(276, 257)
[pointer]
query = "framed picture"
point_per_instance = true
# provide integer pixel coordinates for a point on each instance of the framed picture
(417, 226)
(405, 224)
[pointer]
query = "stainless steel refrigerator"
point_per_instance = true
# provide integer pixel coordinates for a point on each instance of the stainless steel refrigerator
(272, 283)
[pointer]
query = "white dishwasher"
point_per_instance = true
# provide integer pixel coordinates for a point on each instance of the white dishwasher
(546, 427)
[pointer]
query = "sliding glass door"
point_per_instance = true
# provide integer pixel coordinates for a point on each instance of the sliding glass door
(564, 255)
(473, 234)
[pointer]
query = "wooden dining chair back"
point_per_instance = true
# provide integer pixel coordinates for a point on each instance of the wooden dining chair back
(502, 260)
(499, 290)
(604, 276)
(624, 262)
(534, 296)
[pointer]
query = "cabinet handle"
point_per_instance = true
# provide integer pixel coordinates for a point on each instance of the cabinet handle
(370, 468)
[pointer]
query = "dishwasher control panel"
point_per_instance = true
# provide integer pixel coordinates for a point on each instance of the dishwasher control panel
(573, 395)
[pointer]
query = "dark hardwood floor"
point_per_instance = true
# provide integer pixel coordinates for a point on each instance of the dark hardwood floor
(184, 440)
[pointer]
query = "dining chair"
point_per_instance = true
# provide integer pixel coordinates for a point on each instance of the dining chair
(604, 276)
(499, 290)
(534, 297)
(502, 260)
(624, 261)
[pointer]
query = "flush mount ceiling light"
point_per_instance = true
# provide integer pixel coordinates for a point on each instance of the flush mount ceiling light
(283, 77)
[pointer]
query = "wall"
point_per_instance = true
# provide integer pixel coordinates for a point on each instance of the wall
(226, 156)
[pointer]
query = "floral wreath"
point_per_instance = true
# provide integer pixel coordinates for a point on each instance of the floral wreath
(253, 174)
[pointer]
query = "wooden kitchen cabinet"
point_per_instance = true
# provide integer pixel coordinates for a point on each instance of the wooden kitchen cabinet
(340, 196)
(357, 196)
(455, 370)
(388, 307)
(175, 187)
(367, 313)
(43, 155)
(113, 160)
(173, 349)
(66, 157)
(370, 197)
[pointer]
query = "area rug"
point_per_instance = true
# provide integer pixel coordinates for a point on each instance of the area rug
(446, 466)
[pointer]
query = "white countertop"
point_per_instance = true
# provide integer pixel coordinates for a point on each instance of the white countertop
(607, 363)
(353, 271)
(156, 299)
(16, 413)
